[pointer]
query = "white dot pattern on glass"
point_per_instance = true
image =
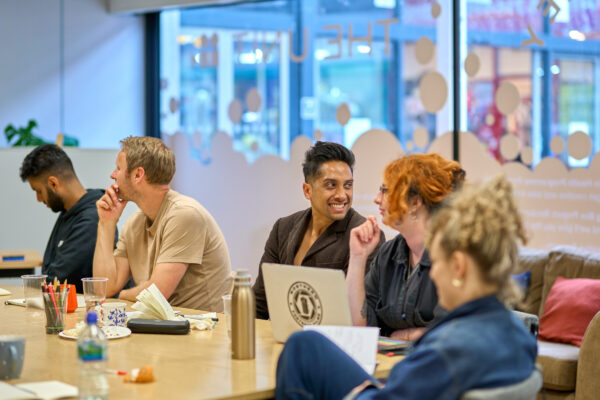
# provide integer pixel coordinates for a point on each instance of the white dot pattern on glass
(253, 100)
(472, 64)
(342, 114)
(421, 137)
(509, 146)
(527, 155)
(436, 9)
(557, 145)
(579, 145)
(433, 91)
(424, 50)
(507, 98)
(235, 111)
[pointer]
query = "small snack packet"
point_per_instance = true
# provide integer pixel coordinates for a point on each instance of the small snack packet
(140, 375)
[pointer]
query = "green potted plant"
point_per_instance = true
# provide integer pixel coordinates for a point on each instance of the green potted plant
(24, 136)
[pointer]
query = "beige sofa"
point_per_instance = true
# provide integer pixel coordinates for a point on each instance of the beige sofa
(569, 372)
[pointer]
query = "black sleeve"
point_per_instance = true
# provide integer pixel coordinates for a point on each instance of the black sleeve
(372, 294)
(73, 259)
(375, 251)
(271, 255)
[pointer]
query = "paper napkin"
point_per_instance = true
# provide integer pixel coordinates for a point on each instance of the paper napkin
(152, 304)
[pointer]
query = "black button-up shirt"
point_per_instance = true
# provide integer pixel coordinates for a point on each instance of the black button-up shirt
(393, 302)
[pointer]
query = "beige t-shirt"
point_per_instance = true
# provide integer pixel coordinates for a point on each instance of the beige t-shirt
(183, 232)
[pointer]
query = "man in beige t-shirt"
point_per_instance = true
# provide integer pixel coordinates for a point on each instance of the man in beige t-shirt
(172, 241)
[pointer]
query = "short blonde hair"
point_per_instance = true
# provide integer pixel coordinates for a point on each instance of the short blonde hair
(429, 176)
(484, 222)
(151, 154)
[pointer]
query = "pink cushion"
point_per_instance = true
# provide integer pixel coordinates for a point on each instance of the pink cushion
(569, 309)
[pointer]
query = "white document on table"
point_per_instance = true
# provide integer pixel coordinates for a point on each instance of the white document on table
(359, 342)
(10, 392)
(48, 390)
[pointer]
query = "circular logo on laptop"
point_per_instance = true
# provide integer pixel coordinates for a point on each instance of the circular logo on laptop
(304, 304)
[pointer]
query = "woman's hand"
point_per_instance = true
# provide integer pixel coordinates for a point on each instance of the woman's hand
(364, 238)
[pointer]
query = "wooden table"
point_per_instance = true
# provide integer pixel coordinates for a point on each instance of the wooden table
(14, 263)
(193, 366)
(11, 259)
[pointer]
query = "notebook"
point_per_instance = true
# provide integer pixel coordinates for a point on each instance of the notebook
(299, 296)
(48, 390)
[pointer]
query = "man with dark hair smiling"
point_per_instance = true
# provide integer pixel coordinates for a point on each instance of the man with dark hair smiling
(318, 236)
(70, 249)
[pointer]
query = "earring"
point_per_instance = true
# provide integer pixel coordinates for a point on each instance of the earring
(413, 215)
(457, 282)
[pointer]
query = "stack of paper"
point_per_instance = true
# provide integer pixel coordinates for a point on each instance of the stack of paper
(48, 390)
(359, 342)
(152, 304)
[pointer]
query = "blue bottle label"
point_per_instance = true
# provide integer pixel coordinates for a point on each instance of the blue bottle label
(91, 351)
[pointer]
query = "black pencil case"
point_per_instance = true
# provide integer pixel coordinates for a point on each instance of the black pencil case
(140, 325)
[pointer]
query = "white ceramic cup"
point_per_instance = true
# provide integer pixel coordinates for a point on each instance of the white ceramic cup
(113, 314)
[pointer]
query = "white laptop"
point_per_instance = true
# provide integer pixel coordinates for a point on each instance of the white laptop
(299, 296)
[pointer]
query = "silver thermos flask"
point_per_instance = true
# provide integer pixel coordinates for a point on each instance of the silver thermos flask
(243, 312)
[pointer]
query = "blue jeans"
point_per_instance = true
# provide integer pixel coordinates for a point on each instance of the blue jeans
(312, 367)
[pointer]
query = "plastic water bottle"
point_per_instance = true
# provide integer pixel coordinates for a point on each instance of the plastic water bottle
(91, 350)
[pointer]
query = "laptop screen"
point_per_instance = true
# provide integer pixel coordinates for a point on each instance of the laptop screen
(299, 296)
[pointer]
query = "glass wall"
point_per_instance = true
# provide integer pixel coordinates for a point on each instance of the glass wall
(548, 52)
(265, 72)
(216, 77)
(358, 81)
(499, 65)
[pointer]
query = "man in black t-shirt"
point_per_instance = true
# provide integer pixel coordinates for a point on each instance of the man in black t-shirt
(70, 249)
(318, 236)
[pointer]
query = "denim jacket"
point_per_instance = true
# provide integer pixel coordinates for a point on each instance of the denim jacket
(480, 344)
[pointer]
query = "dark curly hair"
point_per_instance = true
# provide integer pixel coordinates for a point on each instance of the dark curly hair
(45, 160)
(321, 153)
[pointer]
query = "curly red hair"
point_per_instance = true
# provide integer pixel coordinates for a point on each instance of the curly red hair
(429, 176)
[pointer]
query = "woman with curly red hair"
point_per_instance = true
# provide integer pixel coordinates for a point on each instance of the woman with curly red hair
(397, 294)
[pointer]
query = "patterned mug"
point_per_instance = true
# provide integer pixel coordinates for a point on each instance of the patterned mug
(113, 314)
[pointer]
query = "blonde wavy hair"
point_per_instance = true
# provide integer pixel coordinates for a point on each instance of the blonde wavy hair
(151, 154)
(484, 222)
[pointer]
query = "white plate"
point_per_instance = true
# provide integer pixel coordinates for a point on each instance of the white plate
(111, 332)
